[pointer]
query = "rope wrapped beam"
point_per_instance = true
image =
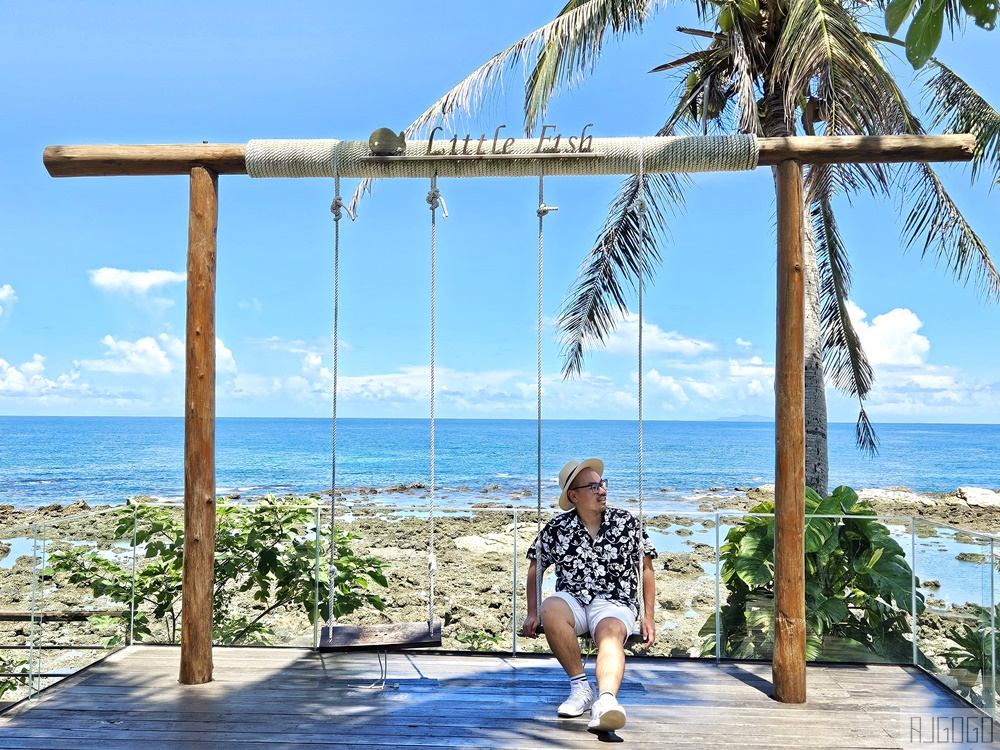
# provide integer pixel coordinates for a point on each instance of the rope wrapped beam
(519, 158)
(167, 159)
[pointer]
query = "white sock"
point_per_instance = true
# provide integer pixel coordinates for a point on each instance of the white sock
(582, 677)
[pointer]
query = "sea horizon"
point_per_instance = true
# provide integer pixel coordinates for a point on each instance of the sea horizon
(106, 460)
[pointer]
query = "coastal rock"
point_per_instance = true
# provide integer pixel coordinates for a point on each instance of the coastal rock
(883, 500)
(500, 544)
(761, 494)
(678, 562)
(979, 497)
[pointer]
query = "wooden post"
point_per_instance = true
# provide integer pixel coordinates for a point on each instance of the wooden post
(789, 661)
(199, 432)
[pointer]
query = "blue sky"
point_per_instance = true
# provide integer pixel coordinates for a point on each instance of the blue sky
(91, 270)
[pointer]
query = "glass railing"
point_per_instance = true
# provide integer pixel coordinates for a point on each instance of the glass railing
(52, 624)
(79, 587)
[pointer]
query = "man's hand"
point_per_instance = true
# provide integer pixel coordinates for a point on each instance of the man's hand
(648, 630)
(530, 626)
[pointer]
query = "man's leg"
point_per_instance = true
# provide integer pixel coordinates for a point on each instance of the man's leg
(610, 635)
(558, 621)
(606, 714)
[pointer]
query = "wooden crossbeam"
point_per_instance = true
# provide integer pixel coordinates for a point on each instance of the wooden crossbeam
(230, 158)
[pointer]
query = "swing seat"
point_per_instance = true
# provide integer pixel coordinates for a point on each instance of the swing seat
(384, 637)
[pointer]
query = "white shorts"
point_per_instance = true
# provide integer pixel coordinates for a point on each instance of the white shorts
(585, 619)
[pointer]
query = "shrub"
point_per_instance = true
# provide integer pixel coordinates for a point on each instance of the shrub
(858, 585)
(266, 551)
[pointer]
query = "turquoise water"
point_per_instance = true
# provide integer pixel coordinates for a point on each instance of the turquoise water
(107, 459)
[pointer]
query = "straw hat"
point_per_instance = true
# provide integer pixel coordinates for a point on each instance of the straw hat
(569, 473)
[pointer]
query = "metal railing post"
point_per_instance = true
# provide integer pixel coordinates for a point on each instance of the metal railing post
(993, 632)
(319, 541)
(913, 587)
(34, 591)
(718, 592)
(135, 555)
(513, 596)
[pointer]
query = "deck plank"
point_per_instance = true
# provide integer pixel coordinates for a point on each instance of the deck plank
(290, 698)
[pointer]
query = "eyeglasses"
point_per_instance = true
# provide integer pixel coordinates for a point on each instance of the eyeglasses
(594, 487)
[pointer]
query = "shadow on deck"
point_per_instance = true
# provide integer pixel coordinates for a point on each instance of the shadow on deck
(289, 698)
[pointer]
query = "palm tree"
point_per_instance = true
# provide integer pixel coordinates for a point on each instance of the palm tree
(766, 67)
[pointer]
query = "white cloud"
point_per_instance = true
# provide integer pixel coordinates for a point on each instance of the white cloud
(715, 382)
(744, 344)
(157, 356)
(224, 360)
(27, 381)
(891, 338)
(35, 367)
(7, 297)
(668, 384)
(625, 339)
(132, 282)
(908, 386)
(144, 356)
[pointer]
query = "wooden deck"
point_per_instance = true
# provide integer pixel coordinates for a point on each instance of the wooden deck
(282, 698)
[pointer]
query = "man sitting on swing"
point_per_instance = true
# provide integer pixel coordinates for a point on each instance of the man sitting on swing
(595, 550)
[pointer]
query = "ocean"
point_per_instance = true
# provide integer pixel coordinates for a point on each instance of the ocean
(105, 460)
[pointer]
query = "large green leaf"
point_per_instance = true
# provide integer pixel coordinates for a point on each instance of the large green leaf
(755, 564)
(924, 33)
(897, 12)
(983, 11)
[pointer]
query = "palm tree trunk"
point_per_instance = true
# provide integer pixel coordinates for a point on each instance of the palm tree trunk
(817, 457)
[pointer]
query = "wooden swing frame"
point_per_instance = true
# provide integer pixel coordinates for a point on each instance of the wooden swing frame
(205, 162)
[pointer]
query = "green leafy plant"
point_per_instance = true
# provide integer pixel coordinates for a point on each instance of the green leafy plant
(858, 585)
(479, 640)
(266, 552)
(972, 656)
(10, 666)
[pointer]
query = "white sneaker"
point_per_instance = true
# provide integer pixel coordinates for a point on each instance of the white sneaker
(606, 715)
(581, 695)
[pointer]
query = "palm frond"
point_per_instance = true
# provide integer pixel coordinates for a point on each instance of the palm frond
(824, 182)
(864, 434)
(823, 52)
(566, 57)
(844, 358)
(957, 106)
(598, 299)
(745, 72)
(936, 222)
(573, 40)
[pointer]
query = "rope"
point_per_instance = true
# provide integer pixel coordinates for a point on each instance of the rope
(542, 212)
(434, 200)
(336, 208)
(640, 208)
(312, 158)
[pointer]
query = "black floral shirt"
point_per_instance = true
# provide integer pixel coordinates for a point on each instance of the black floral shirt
(591, 568)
